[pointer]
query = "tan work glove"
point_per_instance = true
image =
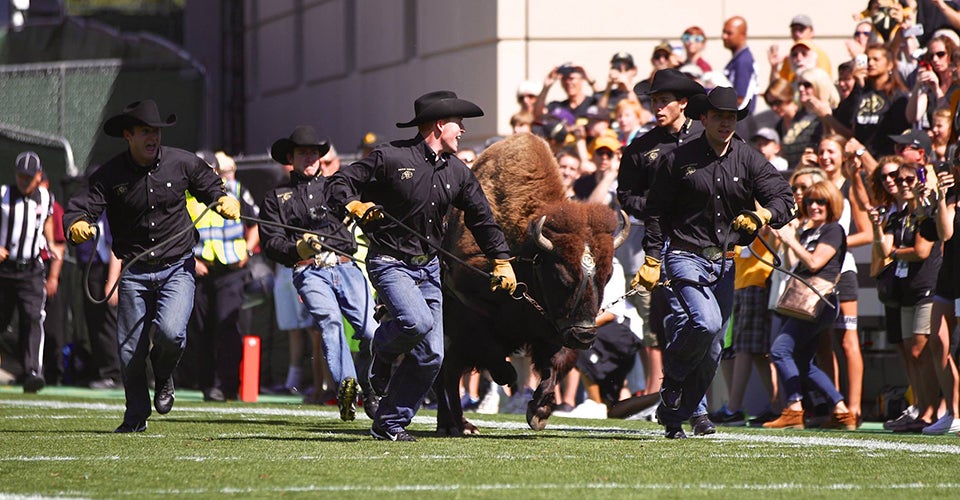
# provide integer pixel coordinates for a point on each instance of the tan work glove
(748, 224)
(359, 209)
(81, 231)
(228, 207)
(648, 275)
(503, 276)
(308, 245)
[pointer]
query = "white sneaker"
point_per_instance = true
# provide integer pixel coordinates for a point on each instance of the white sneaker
(908, 415)
(947, 424)
(490, 404)
(587, 409)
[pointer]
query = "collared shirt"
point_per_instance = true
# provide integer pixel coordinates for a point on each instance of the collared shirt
(223, 240)
(638, 164)
(147, 205)
(417, 186)
(696, 195)
(301, 204)
(741, 71)
(22, 218)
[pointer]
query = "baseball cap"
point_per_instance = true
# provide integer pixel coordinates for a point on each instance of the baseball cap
(529, 87)
(916, 138)
(622, 58)
(802, 20)
(570, 68)
(594, 112)
(605, 141)
(663, 46)
(766, 133)
(28, 163)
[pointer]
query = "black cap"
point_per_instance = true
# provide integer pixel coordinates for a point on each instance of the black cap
(622, 58)
(916, 138)
(28, 163)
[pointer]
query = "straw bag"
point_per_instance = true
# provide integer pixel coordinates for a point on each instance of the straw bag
(799, 301)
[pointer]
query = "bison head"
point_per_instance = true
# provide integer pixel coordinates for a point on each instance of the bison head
(570, 252)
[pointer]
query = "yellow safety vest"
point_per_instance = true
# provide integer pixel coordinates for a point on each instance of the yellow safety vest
(221, 240)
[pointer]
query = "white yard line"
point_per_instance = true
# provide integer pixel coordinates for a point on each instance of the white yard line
(866, 445)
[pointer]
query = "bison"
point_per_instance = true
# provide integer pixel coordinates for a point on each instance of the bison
(563, 252)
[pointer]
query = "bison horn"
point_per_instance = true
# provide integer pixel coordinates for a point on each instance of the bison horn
(542, 241)
(624, 231)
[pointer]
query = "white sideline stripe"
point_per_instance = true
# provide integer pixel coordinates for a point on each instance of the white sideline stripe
(549, 486)
(864, 444)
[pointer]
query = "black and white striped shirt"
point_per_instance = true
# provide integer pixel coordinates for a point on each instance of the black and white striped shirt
(22, 220)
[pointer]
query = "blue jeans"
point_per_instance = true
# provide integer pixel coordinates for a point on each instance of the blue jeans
(695, 333)
(329, 294)
(157, 299)
(413, 297)
(793, 351)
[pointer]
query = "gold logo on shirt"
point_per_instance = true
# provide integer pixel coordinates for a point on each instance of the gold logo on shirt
(652, 155)
(406, 173)
(283, 197)
(688, 170)
(120, 189)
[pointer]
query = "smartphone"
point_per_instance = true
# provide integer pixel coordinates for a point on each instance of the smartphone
(921, 176)
(861, 60)
(915, 30)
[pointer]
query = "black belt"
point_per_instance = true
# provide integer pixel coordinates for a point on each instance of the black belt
(713, 253)
(19, 265)
(410, 260)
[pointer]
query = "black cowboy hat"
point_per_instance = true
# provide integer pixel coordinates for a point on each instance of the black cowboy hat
(438, 105)
(303, 135)
(143, 112)
(675, 82)
(720, 99)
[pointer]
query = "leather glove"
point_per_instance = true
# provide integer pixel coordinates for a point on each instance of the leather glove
(648, 275)
(359, 209)
(81, 231)
(229, 207)
(308, 245)
(503, 276)
(748, 224)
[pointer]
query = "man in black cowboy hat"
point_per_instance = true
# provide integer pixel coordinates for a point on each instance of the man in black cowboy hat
(143, 192)
(697, 200)
(669, 92)
(329, 283)
(415, 180)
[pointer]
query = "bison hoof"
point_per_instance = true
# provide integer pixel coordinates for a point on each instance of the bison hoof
(537, 416)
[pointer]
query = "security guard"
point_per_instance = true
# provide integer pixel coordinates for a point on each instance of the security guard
(221, 256)
(698, 194)
(25, 228)
(143, 191)
(416, 180)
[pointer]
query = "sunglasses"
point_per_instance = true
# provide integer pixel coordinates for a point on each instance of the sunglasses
(688, 37)
(862, 33)
(940, 53)
(890, 175)
(806, 85)
(660, 55)
(906, 181)
(810, 201)
(604, 152)
(798, 187)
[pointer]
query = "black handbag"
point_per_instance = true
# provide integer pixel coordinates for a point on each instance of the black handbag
(887, 290)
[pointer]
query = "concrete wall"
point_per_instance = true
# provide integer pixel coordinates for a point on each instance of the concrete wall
(349, 66)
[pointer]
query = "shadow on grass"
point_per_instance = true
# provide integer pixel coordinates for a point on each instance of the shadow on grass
(226, 421)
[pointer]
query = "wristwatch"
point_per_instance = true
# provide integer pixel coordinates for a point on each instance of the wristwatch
(859, 152)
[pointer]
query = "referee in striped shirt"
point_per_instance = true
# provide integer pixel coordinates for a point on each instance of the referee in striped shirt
(25, 228)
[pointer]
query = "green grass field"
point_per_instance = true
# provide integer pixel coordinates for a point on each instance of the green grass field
(60, 444)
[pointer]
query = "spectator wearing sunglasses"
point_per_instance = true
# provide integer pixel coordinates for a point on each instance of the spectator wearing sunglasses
(801, 31)
(694, 41)
(934, 81)
(863, 35)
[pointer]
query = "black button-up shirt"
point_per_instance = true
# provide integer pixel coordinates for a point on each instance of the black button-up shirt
(301, 204)
(696, 194)
(417, 186)
(147, 205)
(639, 161)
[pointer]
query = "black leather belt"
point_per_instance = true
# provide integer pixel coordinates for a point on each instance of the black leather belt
(19, 265)
(322, 263)
(713, 253)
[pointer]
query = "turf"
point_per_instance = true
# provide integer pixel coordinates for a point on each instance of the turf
(60, 444)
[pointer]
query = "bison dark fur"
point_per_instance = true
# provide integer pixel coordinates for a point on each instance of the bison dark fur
(564, 271)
